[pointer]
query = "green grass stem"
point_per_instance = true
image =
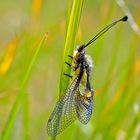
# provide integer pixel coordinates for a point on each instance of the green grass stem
(12, 116)
(71, 33)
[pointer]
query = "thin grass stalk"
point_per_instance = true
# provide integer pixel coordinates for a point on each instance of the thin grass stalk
(71, 33)
(12, 116)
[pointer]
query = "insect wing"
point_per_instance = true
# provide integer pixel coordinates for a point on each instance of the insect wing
(64, 112)
(84, 100)
(84, 106)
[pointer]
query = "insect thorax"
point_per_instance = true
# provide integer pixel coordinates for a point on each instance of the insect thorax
(80, 58)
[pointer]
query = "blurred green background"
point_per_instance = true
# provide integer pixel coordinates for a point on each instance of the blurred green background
(116, 75)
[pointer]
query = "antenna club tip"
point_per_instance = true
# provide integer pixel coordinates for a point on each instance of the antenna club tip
(125, 18)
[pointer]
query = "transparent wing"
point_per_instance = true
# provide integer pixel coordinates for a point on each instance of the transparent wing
(64, 112)
(84, 105)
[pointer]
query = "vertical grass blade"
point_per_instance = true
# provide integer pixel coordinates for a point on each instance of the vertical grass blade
(25, 122)
(8, 127)
(68, 12)
(70, 42)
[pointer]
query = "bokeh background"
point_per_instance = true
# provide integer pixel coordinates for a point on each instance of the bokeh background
(116, 75)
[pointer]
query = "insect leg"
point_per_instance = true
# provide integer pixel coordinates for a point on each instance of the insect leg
(68, 64)
(70, 56)
(68, 75)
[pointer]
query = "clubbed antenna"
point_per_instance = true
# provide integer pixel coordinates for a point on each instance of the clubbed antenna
(124, 19)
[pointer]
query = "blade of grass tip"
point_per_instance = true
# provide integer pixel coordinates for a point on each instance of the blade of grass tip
(15, 108)
(70, 42)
